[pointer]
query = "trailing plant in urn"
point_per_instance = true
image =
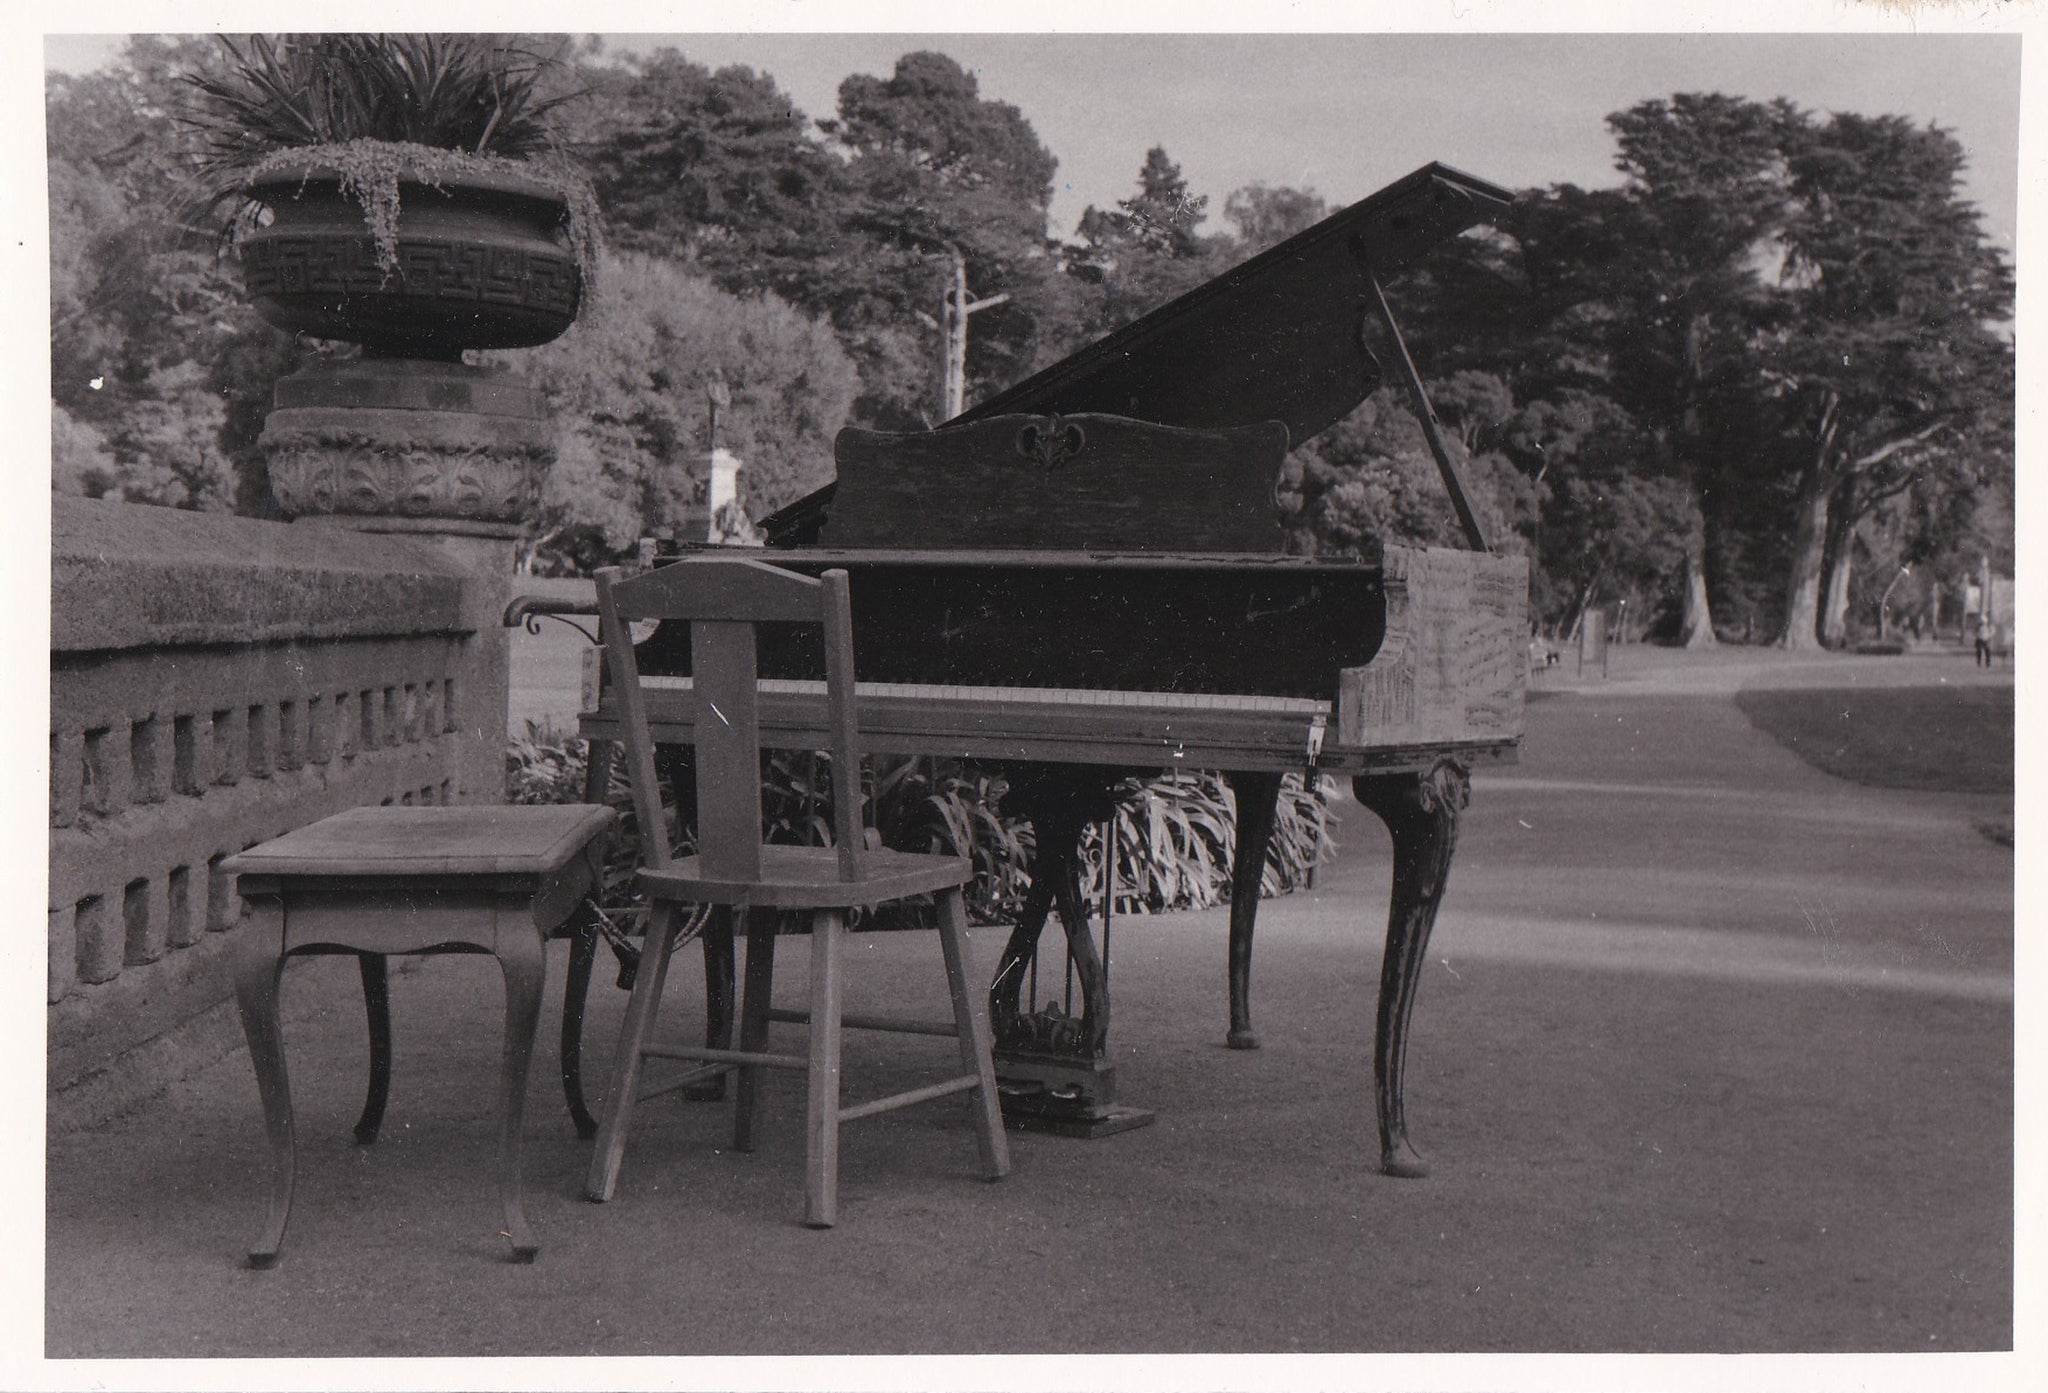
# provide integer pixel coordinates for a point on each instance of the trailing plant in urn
(398, 190)
(402, 192)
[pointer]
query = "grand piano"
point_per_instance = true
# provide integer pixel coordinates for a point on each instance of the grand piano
(1084, 578)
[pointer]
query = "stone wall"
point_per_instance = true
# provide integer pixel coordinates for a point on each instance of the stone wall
(216, 681)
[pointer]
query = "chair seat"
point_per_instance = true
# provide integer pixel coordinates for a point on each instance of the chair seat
(807, 877)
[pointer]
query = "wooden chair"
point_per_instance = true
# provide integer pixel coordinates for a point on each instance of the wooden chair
(724, 599)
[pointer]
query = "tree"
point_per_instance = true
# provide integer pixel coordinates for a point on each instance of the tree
(1371, 476)
(1145, 251)
(1607, 527)
(1161, 218)
(1705, 191)
(1890, 366)
(1265, 215)
(152, 344)
(950, 189)
(629, 383)
(718, 170)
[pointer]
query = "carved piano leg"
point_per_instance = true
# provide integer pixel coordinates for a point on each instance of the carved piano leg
(1051, 1063)
(1421, 812)
(1088, 971)
(1258, 800)
(1055, 881)
(1006, 994)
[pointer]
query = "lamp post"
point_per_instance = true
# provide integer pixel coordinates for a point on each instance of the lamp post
(1884, 601)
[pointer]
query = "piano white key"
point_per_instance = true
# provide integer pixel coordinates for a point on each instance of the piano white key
(940, 693)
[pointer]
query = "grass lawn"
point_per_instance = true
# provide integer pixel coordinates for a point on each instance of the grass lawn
(1952, 740)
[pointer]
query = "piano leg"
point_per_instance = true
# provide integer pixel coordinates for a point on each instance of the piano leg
(1088, 970)
(1006, 994)
(1053, 1066)
(1258, 799)
(1421, 812)
(1055, 882)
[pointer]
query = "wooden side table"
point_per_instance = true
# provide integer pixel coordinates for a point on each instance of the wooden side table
(375, 881)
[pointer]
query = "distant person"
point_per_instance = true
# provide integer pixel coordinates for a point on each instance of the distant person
(1983, 640)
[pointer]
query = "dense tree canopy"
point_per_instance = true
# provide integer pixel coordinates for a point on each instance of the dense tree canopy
(159, 367)
(718, 170)
(1747, 384)
(945, 181)
(1883, 360)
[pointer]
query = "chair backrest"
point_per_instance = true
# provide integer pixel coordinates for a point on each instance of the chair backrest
(723, 599)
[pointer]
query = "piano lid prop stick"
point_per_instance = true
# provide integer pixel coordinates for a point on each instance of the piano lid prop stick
(1432, 430)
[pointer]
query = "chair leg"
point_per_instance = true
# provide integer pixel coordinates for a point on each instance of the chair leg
(575, 997)
(258, 964)
(633, 1032)
(760, 986)
(377, 1007)
(718, 985)
(597, 782)
(523, 958)
(821, 1113)
(970, 1021)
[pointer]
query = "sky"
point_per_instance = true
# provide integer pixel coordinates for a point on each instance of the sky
(1344, 114)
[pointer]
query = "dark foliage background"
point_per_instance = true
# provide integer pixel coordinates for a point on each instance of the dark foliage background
(1730, 397)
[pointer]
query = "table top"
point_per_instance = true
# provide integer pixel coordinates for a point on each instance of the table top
(471, 839)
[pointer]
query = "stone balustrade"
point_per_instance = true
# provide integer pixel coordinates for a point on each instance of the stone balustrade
(216, 681)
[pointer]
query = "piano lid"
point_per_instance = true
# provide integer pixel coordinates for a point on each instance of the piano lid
(1276, 337)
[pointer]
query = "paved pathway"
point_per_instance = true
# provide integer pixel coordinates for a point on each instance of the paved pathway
(1714, 1052)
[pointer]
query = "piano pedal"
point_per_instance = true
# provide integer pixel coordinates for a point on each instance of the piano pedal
(1063, 1095)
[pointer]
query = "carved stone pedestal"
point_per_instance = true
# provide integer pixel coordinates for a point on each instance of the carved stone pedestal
(402, 438)
(451, 455)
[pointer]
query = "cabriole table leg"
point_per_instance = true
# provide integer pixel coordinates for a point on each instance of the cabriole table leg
(522, 955)
(258, 953)
(377, 1007)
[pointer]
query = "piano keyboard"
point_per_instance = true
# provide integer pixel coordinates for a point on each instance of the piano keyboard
(1084, 725)
(941, 693)
(1147, 730)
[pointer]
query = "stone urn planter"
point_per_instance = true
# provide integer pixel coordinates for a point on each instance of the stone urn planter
(471, 260)
(408, 432)
(404, 192)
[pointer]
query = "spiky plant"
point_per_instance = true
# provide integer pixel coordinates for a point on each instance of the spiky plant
(376, 110)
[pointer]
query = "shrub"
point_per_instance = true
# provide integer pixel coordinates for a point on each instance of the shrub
(1174, 833)
(543, 765)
